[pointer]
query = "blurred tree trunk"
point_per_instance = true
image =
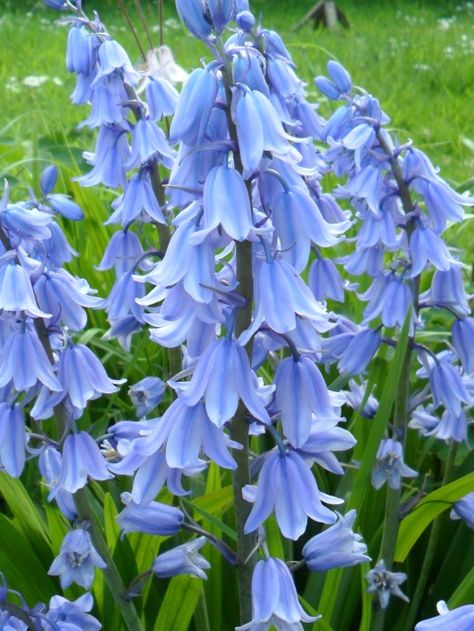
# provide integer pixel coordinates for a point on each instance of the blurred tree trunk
(324, 13)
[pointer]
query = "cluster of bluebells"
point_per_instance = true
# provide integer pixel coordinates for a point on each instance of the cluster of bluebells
(245, 177)
(61, 614)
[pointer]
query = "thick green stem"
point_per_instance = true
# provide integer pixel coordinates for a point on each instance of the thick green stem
(430, 549)
(239, 427)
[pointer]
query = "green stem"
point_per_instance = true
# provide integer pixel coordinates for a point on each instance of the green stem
(239, 430)
(431, 547)
(114, 581)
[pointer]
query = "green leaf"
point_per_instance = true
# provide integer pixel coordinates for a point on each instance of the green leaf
(414, 524)
(30, 520)
(179, 604)
(464, 592)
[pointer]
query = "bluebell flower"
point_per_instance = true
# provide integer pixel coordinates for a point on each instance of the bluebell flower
(424, 420)
(153, 518)
(447, 289)
(442, 202)
(82, 375)
(464, 509)
(77, 560)
(137, 202)
(287, 486)
(111, 153)
(340, 76)
(385, 584)
(63, 205)
(325, 281)
(112, 57)
(337, 546)
(447, 386)
(196, 17)
(388, 297)
(122, 252)
(194, 107)
(426, 246)
(50, 465)
(357, 395)
(389, 465)
(80, 57)
(226, 203)
(359, 351)
(274, 599)
(19, 220)
(24, 361)
(64, 297)
(12, 439)
(458, 619)
(463, 341)
(451, 427)
(222, 376)
(325, 437)
(162, 98)
(82, 459)
(300, 392)
(48, 180)
(16, 291)
(146, 394)
(148, 141)
(245, 20)
(184, 559)
(74, 615)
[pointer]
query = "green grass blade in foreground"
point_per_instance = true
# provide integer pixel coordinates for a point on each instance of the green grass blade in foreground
(414, 524)
(179, 604)
(362, 477)
(464, 593)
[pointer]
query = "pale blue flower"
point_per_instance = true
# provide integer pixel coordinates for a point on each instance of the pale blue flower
(385, 584)
(337, 546)
(389, 465)
(287, 486)
(458, 619)
(464, 509)
(153, 518)
(82, 459)
(12, 439)
(73, 615)
(77, 560)
(184, 559)
(463, 341)
(146, 394)
(274, 599)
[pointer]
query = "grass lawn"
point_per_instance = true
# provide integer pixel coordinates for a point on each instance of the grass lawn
(416, 56)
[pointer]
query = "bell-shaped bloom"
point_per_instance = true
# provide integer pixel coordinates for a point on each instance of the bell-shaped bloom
(300, 392)
(79, 52)
(184, 559)
(325, 281)
(287, 486)
(64, 296)
(428, 247)
(194, 107)
(153, 518)
(458, 619)
(447, 289)
(196, 17)
(22, 221)
(447, 386)
(442, 202)
(162, 98)
(389, 465)
(245, 20)
(111, 153)
(274, 599)
(50, 464)
(148, 141)
(77, 560)
(451, 427)
(325, 437)
(112, 57)
(390, 297)
(337, 546)
(281, 296)
(82, 375)
(227, 204)
(146, 394)
(464, 509)
(359, 351)
(82, 459)
(138, 201)
(222, 376)
(63, 205)
(298, 223)
(12, 439)
(73, 615)
(122, 252)
(24, 362)
(463, 341)
(16, 292)
(385, 584)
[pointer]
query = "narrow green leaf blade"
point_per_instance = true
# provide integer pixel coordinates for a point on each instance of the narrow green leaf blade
(179, 604)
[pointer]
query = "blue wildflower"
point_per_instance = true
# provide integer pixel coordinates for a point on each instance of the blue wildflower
(184, 559)
(146, 394)
(463, 341)
(458, 619)
(385, 584)
(389, 465)
(153, 518)
(77, 560)
(82, 459)
(464, 509)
